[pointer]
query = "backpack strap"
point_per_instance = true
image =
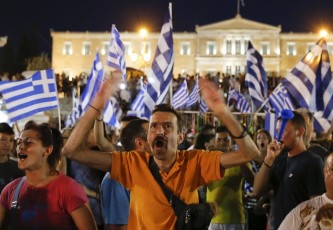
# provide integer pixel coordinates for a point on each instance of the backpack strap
(17, 193)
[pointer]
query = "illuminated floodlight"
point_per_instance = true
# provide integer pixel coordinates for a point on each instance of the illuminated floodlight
(323, 33)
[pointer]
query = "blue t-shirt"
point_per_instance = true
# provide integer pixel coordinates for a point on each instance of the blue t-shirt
(115, 201)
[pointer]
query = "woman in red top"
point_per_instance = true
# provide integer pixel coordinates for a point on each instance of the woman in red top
(47, 199)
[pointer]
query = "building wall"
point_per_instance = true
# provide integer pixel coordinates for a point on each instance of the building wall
(277, 62)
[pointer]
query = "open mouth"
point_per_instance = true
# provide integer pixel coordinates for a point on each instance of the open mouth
(262, 145)
(22, 156)
(160, 142)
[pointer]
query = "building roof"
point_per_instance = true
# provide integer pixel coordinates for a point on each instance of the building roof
(237, 23)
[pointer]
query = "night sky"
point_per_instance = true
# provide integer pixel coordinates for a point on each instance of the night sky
(37, 17)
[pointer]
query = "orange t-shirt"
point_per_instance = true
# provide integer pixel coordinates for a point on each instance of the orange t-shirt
(149, 208)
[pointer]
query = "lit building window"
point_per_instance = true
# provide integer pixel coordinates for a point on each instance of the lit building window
(238, 47)
(86, 48)
(145, 48)
(228, 70)
(105, 48)
(185, 48)
(237, 70)
(265, 48)
(68, 49)
(291, 49)
(128, 48)
(211, 48)
(229, 46)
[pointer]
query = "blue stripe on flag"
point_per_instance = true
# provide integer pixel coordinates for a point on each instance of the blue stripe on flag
(116, 54)
(93, 83)
(255, 77)
(270, 123)
(27, 97)
(160, 74)
(180, 97)
(194, 96)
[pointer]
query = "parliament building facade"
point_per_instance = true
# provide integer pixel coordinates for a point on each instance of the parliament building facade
(217, 47)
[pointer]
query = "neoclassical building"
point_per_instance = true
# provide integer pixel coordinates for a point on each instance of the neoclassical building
(217, 47)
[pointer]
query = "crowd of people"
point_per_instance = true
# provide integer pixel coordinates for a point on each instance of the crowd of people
(81, 178)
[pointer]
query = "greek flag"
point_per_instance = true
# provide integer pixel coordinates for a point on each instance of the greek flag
(160, 74)
(320, 123)
(116, 55)
(194, 95)
(203, 106)
(77, 108)
(27, 97)
(94, 81)
(241, 103)
(137, 106)
(180, 97)
(112, 113)
(270, 123)
(280, 99)
(310, 82)
(255, 78)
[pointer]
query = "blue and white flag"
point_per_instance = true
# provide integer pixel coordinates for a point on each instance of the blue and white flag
(310, 82)
(194, 96)
(280, 99)
(116, 55)
(27, 97)
(160, 74)
(77, 108)
(94, 82)
(255, 78)
(242, 104)
(270, 123)
(180, 97)
(113, 113)
(137, 106)
(203, 106)
(320, 123)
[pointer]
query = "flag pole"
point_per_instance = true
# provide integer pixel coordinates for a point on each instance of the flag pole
(265, 102)
(171, 81)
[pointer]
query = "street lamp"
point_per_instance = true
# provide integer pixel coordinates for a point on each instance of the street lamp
(143, 57)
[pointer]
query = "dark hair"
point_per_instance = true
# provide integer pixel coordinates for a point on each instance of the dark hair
(129, 118)
(222, 129)
(133, 130)
(269, 137)
(5, 128)
(201, 139)
(207, 127)
(49, 137)
(298, 121)
(168, 108)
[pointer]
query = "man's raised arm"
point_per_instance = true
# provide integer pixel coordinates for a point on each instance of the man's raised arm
(247, 150)
(75, 148)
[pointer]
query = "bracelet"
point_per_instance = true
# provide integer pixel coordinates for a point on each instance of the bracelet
(94, 108)
(242, 135)
(100, 119)
(266, 164)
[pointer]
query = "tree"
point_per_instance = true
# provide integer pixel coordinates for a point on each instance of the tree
(40, 62)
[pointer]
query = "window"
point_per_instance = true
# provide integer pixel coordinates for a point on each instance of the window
(238, 47)
(86, 48)
(128, 48)
(246, 44)
(185, 48)
(291, 49)
(211, 48)
(145, 48)
(237, 70)
(67, 50)
(228, 44)
(228, 70)
(105, 48)
(265, 48)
